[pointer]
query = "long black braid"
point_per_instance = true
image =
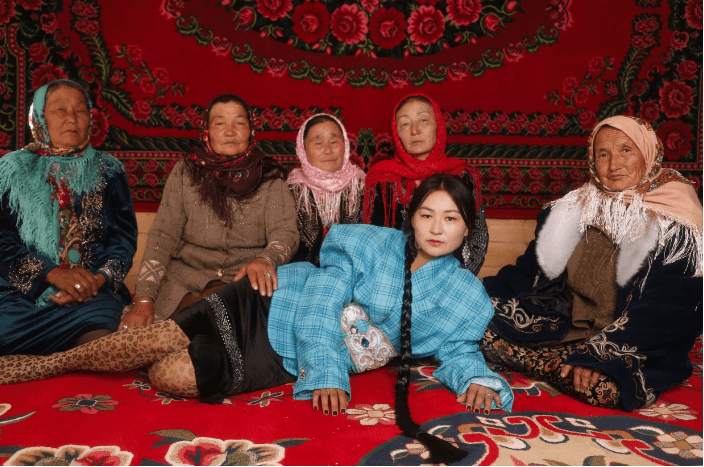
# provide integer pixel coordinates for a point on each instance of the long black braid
(441, 452)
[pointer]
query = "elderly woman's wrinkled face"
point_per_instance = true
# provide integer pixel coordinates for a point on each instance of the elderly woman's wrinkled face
(325, 146)
(228, 128)
(619, 162)
(417, 128)
(67, 117)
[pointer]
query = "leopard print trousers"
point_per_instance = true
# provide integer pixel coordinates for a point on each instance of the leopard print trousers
(162, 345)
(545, 364)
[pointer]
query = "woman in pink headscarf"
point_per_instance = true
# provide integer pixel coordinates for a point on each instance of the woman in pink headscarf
(606, 302)
(328, 187)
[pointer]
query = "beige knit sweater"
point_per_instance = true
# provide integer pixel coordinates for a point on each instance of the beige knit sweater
(188, 246)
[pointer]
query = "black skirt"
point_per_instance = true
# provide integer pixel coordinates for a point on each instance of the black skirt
(230, 346)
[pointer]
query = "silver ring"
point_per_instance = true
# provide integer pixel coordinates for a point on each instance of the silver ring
(124, 326)
(267, 274)
(77, 286)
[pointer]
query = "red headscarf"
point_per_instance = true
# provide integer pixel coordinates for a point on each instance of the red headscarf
(403, 171)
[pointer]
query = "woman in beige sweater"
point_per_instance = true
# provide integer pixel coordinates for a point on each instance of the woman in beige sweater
(226, 213)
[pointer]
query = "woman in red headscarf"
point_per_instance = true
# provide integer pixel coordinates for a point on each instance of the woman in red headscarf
(420, 136)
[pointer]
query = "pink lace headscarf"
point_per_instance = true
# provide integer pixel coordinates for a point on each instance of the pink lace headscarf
(327, 187)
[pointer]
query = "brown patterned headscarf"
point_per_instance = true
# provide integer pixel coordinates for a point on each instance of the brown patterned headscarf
(219, 178)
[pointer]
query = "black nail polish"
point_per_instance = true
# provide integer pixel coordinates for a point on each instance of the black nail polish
(476, 410)
(315, 408)
(334, 413)
(342, 411)
(325, 412)
(486, 412)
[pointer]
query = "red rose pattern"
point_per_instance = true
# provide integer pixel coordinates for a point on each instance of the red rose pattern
(151, 179)
(221, 46)
(99, 130)
(676, 98)
(147, 84)
(161, 75)
(141, 110)
(193, 116)
(4, 139)
(515, 172)
(244, 17)
(535, 187)
(679, 40)
(387, 27)
(494, 186)
(151, 165)
(596, 65)
(693, 13)
(426, 25)
(87, 26)
(38, 52)
(369, 5)
(491, 22)
(274, 9)
(349, 24)
(30, 4)
(556, 188)
(134, 53)
(48, 22)
(464, 12)
(642, 41)
(46, 74)
(676, 139)
(311, 22)
(7, 11)
(647, 25)
(514, 52)
(587, 120)
(495, 172)
(649, 111)
(81, 9)
(687, 69)
(515, 186)
(117, 77)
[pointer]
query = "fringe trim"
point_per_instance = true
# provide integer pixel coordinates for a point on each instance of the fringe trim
(23, 177)
(677, 238)
(328, 205)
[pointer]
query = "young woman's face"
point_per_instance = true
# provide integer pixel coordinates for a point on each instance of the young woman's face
(228, 128)
(438, 226)
(619, 162)
(417, 128)
(325, 146)
(67, 117)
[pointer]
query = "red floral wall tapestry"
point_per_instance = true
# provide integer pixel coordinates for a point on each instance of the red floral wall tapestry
(521, 82)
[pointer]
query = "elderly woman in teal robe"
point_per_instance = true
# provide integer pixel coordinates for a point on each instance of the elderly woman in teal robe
(67, 231)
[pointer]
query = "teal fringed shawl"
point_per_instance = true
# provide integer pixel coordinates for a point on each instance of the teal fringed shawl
(23, 177)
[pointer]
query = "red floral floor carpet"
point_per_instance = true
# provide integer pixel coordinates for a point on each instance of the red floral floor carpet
(103, 419)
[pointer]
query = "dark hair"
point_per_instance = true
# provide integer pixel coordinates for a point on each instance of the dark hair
(440, 450)
(413, 99)
(453, 185)
(319, 119)
(226, 99)
(67, 83)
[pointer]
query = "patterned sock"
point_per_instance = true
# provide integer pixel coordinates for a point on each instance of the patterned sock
(120, 351)
(546, 364)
